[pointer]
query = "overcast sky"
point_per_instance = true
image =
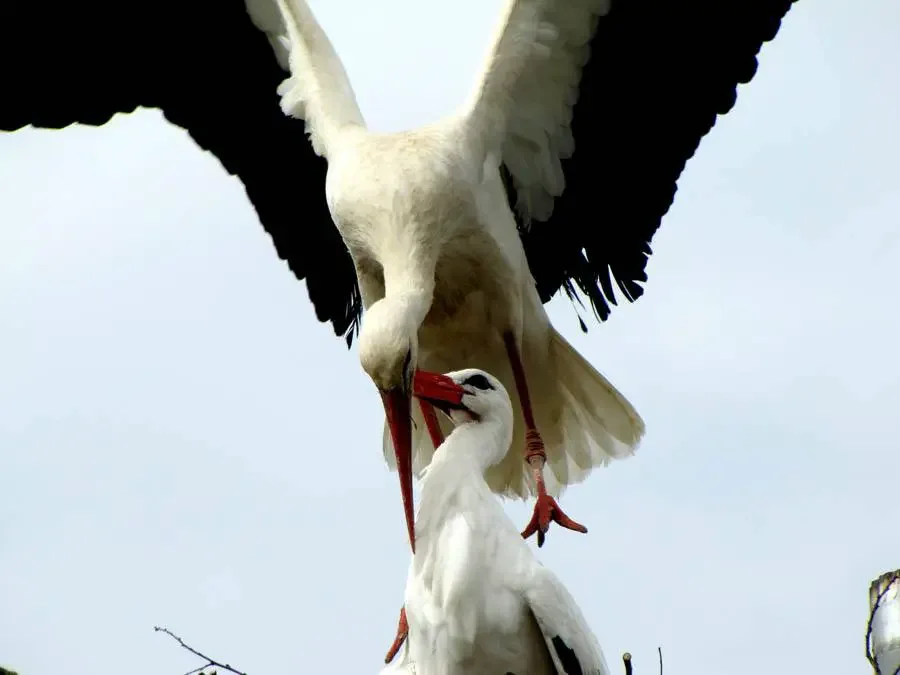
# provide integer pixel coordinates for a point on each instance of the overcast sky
(181, 443)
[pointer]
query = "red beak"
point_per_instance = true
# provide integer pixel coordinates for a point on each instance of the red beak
(438, 390)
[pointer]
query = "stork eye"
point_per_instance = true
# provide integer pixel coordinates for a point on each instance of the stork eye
(478, 381)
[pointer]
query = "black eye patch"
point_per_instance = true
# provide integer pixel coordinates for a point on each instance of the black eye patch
(478, 381)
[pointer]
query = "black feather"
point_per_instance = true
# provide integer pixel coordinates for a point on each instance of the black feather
(217, 80)
(659, 74)
(570, 663)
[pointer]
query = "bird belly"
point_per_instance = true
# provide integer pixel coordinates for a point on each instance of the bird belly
(475, 302)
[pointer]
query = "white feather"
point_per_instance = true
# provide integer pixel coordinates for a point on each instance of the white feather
(516, 44)
(318, 89)
(267, 17)
(477, 600)
(438, 256)
(541, 104)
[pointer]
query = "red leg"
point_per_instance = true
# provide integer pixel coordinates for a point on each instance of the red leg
(546, 509)
(402, 632)
(437, 437)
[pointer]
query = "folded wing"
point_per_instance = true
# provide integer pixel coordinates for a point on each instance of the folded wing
(569, 639)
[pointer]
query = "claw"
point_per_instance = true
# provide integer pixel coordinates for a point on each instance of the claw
(546, 510)
(402, 632)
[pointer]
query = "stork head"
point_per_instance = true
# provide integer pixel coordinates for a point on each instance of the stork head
(472, 396)
(388, 345)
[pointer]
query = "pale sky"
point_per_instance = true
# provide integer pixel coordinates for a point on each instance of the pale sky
(184, 444)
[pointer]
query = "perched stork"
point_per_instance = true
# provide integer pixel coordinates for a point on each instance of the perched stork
(587, 146)
(477, 600)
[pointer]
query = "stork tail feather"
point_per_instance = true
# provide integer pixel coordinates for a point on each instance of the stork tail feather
(598, 423)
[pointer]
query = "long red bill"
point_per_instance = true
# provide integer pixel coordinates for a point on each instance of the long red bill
(397, 408)
(437, 388)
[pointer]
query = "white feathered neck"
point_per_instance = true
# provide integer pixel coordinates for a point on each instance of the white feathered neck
(454, 481)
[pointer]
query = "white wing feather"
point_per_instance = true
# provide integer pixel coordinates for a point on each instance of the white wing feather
(520, 38)
(521, 108)
(558, 616)
(318, 89)
(539, 134)
(267, 17)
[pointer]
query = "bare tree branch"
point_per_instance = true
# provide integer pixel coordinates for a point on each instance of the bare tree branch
(887, 584)
(659, 649)
(209, 662)
(626, 659)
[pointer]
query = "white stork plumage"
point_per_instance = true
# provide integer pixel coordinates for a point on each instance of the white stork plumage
(477, 600)
(441, 268)
(589, 163)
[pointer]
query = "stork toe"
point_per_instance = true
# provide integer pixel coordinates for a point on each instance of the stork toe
(546, 510)
(402, 632)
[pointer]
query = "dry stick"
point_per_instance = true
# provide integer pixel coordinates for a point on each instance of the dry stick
(871, 657)
(626, 659)
(209, 661)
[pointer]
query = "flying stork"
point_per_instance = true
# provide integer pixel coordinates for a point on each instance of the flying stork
(595, 135)
(477, 599)
(440, 266)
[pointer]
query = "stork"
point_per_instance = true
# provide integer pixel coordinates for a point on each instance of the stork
(587, 150)
(441, 269)
(477, 600)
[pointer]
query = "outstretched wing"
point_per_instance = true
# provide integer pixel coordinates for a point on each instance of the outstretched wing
(601, 131)
(211, 71)
(318, 89)
(569, 639)
(519, 41)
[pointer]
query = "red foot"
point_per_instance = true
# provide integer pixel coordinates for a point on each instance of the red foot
(402, 632)
(545, 510)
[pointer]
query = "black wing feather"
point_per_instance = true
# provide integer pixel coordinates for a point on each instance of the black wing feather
(659, 74)
(212, 72)
(567, 657)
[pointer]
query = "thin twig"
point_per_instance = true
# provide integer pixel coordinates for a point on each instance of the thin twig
(871, 657)
(659, 649)
(209, 661)
(626, 659)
